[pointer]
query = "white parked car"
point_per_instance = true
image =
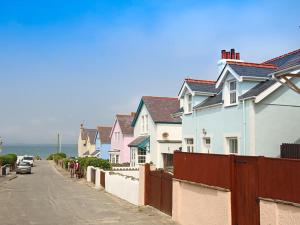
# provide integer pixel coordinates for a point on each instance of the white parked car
(28, 159)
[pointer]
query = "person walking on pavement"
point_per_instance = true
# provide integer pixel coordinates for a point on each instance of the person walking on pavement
(72, 168)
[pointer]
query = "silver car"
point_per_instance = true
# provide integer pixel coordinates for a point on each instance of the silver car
(23, 167)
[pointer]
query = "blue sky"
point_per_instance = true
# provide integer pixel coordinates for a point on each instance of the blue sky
(64, 62)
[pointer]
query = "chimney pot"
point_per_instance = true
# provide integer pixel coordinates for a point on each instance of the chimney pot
(237, 56)
(223, 54)
(132, 114)
(232, 53)
(228, 55)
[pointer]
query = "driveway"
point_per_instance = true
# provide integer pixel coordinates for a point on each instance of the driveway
(48, 198)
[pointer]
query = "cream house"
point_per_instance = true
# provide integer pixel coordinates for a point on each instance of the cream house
(156, 133)
(86, 141)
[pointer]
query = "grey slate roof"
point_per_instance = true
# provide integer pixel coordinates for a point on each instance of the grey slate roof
(259, 88)
(251, 71)
(294, 62)
(281, 60)
(217, 99)
(201, 87)
(95, 153)
(139, 140)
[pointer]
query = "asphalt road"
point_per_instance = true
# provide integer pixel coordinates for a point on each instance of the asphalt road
(47, 197)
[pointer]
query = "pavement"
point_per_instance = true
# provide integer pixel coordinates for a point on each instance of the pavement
(49, 197)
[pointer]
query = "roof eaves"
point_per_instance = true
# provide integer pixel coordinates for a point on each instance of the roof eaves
(208, 106)
(137, 112)
(168, 122)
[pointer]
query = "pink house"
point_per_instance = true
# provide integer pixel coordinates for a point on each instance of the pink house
(121, 135)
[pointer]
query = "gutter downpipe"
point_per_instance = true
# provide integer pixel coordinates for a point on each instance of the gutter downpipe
(244, 127)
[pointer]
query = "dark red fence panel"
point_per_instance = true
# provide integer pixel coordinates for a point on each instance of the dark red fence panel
(210, 169)
(159, 190)
(279, 179)
(291, 151)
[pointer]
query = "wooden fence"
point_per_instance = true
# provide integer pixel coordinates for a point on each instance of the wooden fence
(291, 151)
(159, 189)
(248, 178)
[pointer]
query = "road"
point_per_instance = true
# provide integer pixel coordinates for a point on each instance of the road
(47, 197)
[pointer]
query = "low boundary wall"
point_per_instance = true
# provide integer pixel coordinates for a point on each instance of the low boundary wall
(123, 186)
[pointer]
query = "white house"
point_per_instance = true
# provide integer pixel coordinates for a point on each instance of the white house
(156, 133)
(244, 111)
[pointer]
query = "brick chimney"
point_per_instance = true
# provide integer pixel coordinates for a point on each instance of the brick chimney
(231, 55)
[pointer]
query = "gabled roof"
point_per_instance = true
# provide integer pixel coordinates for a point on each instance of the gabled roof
(91, 135)
(245, 69)
(201, 85)
(159, 108)
(125, 123)
(84, 133)
(104, 133)
(280, 60)
(205, 87)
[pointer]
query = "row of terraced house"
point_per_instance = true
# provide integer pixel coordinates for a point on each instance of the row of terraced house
(212, 154)
(244, 112)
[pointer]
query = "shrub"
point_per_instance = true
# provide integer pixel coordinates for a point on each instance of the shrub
(8, 159)
(93, 161)
(38, 157)
(57, 156)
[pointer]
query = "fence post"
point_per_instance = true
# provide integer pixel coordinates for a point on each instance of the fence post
(232, 189)
(147, 183)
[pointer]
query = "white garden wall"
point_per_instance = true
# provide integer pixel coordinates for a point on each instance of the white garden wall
(123, 186)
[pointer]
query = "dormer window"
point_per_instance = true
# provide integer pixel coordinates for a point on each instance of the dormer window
(232, 92)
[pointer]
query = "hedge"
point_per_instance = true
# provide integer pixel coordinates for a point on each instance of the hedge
(8, 159)
(94, 161)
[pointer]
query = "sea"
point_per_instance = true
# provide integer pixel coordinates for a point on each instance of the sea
(42, 150)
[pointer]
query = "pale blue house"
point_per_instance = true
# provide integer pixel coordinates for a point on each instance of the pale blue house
(102, 142)
(245, 111)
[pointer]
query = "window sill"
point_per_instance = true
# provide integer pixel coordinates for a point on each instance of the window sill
(188, 113)
(231, 105)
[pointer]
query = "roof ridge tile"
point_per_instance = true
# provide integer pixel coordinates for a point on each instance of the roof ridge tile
(200, 81)
(257, 65)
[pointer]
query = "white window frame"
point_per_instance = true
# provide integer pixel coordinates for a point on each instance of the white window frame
(141, 156)
(234, 91)
(189, 103)
(189, 146)
(228, 140)
(206, 146)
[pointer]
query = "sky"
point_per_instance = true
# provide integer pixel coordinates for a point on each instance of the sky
(67, 62)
